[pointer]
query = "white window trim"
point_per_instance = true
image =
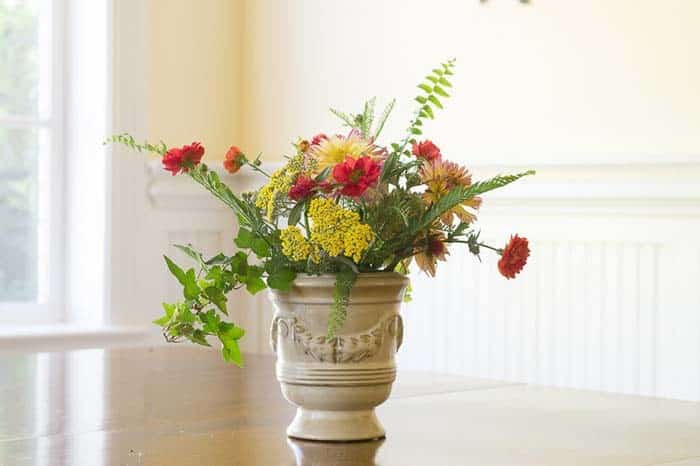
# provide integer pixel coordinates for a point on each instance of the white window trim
(49, 306)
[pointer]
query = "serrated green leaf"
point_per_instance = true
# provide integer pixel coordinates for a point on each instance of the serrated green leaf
(435, 101)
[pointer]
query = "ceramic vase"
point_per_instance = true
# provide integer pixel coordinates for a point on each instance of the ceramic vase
(336, 383)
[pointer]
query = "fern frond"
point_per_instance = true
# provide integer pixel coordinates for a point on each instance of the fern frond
(382, 119)
(368, 117)
(460, 194)
(345, 117)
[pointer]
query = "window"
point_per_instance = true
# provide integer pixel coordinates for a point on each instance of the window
(31, 201)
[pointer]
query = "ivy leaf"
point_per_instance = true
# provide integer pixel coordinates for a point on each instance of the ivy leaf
(229, 335)
(216, 296)
(191, 290)
(281, 279)
(190, 252)
(254, 283)
(260, 247)
(244, 240)
(211, 321)
(169, 311)
(175, 270)
(217, 260)
(232, 353)
(239, 263)
(199, 337)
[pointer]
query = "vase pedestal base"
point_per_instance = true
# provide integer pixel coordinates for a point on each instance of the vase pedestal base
(335, 426)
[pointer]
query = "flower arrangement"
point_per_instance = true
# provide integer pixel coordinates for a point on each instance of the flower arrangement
(342, 204)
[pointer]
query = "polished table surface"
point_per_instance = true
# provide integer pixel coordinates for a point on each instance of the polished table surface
(182, 406)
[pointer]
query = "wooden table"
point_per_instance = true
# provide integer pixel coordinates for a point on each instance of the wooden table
(182, 406)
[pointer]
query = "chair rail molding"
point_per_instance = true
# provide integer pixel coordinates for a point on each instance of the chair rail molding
(608, 301)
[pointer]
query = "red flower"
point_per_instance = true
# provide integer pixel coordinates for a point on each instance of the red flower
(234, 159)
(184, 158)
(318, 138)
(302, 188)
(356, 175)
(426, 150)
(514, 257)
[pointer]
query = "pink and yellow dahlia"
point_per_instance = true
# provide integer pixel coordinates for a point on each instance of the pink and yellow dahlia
(332, 150)
(441, 176)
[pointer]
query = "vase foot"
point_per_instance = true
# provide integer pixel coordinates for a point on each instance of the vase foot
(335, 426)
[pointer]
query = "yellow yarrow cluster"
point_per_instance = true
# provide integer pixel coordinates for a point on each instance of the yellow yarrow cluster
(278, 185)
(337, 230)
(294, 245)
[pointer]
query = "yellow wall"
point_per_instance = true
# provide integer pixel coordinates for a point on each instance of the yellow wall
(195, 72)
(554, 81)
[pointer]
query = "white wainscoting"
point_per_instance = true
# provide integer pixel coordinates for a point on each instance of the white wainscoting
(609, 300)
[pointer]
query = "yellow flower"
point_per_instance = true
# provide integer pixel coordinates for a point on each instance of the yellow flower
(294, 245)
(439, 177)
(278, 185)
(331, 151)
(338, 231)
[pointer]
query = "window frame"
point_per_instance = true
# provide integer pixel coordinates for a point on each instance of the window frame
(50, 126)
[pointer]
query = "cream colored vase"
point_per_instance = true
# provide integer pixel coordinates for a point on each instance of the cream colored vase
(336, 384)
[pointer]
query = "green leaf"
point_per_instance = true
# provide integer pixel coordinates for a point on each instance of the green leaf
(199, 337)
(295, 213)
(438, 71)
(426, 88)
(254, 283)
(216, 296)
(416, 131)
(175, 270)
(444, 82)
(421, 100)
(191, 290)
(162, 321)
(211, 321)
(429, 111)
(440, 91)
(190, 252)
(432, 78)
(323, 175)
(239, 263)
(232, 353)
(217, 260)
(435, 101)
(260, 247)
(281, 279)
(244, 239)
(229, 331)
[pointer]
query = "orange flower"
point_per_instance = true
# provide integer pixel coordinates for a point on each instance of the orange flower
(234, 159)
(439, 177)
(433, 249)
(514, 256)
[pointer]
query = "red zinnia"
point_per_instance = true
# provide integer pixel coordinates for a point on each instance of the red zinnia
(234, 159)
(426, 150)
(356, 175)
(514, 256)
(184, 158)
(302, 188)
